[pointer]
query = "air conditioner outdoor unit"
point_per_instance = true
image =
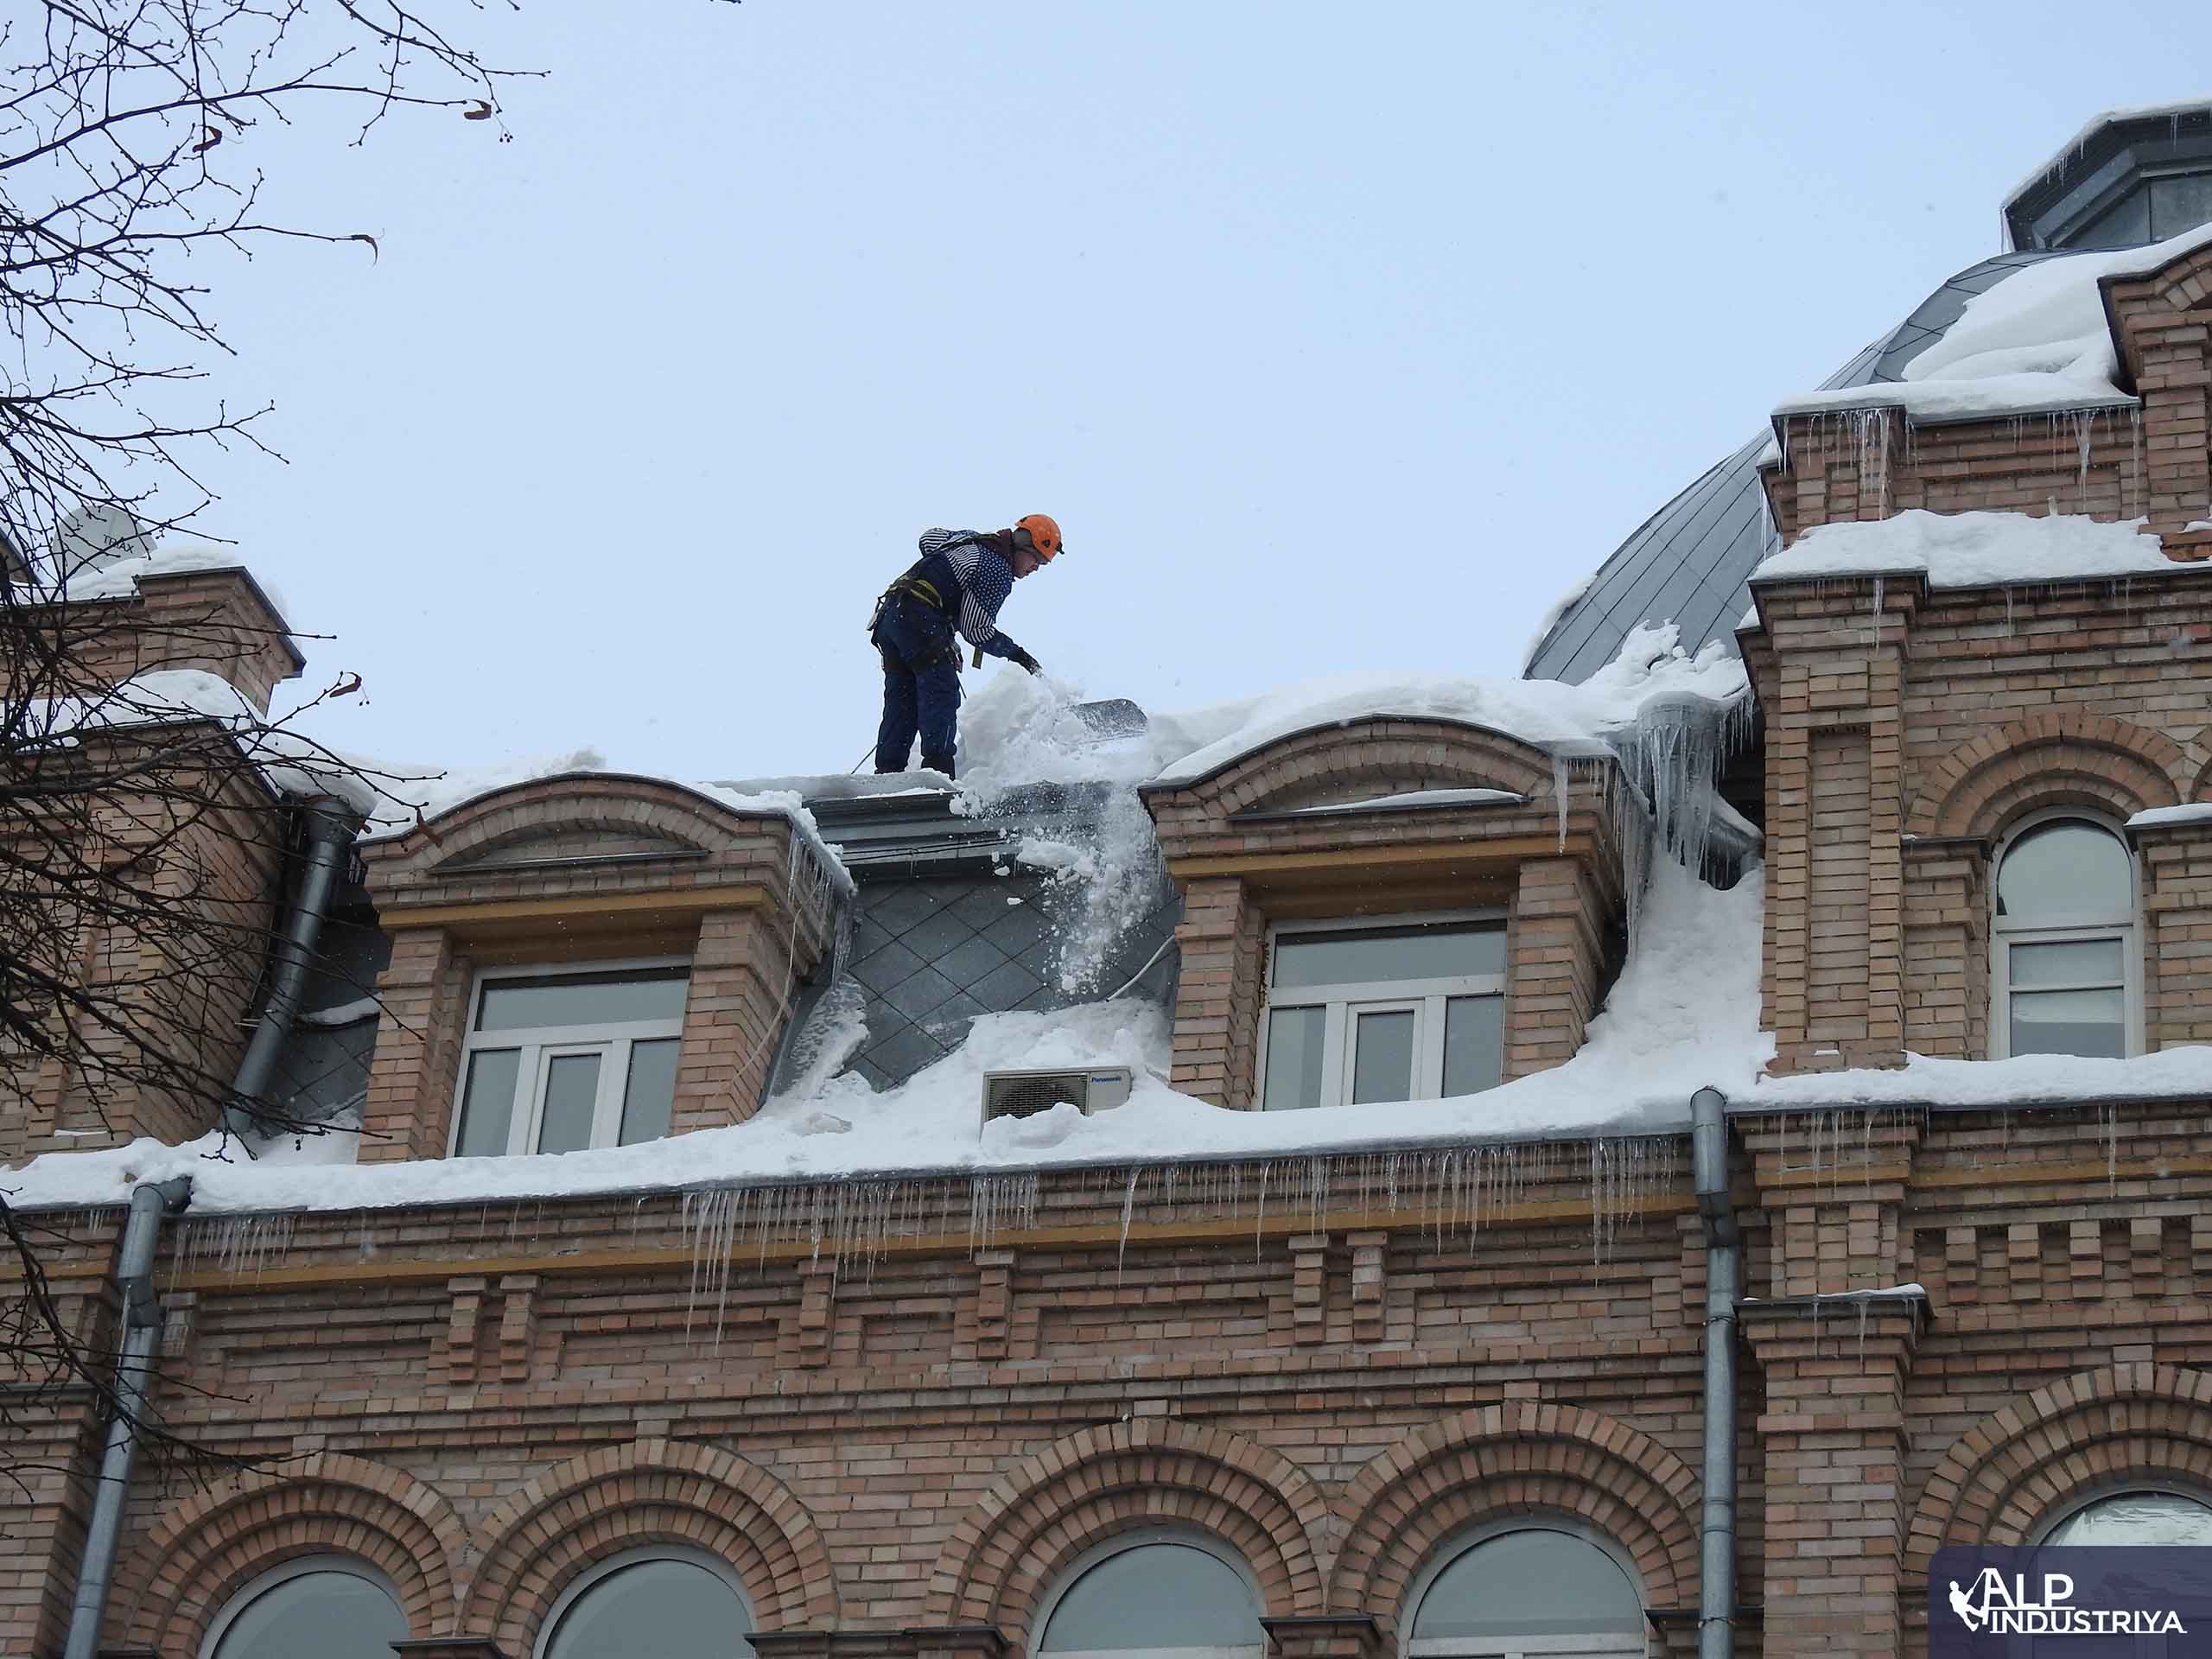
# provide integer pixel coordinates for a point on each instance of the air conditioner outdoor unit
(1019, 1094)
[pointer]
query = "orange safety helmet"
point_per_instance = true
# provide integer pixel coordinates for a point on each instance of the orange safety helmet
(1044, 536)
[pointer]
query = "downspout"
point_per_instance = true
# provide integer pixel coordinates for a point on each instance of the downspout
(142, 1333)
(1723, 1284)
(330, 827)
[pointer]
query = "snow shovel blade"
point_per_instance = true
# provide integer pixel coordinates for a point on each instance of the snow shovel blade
(1112, 717)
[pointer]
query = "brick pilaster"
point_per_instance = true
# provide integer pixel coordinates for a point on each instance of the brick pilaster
(1556, 950)
(1833, 1443)
(1219, 992)
(412, 1074)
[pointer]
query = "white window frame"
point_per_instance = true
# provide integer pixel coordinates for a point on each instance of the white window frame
(1344, 1003)
(541, 1043)
(1142, 1538)
(598, 1572)
(1607, 1642)
(2090, 1497)
(299, 1568)
(2087, 927)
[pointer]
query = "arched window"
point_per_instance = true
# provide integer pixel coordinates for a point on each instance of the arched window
(1153, 1592)
(1518, 1592)
(659, 1603)
(332, 1606)
(2136, 1517)
(2068, 955)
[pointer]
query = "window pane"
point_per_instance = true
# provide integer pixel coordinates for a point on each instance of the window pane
(1155, 1596)
(571, 1091)
(1293, 1058)
(2070, 1022)
(487, 1104)
(2075, 961)
(2066, 868)
(583, 998)
(1474, 1044)
(2138, 1518)
(2178, 205)
(1363, 955)
(330, 1615)
(1383, 1057)
(650, 1095)
(1532, 1583)
(655, 1610)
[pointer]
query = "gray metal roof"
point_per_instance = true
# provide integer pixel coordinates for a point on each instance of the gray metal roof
(1691, 562)
(946, 925)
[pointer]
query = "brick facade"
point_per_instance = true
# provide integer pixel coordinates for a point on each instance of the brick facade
(901, 1412)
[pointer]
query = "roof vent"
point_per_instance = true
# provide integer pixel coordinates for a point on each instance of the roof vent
(1023, 1094)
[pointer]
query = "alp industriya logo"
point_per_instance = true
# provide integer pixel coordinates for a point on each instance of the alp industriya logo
(2085, 1601)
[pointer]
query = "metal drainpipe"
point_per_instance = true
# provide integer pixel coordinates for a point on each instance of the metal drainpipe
(330, 827)
(1723, 1284)
(141, 1332)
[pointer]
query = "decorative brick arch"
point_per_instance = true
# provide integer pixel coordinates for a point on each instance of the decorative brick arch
(599, 802)
(203, 1551)
(2054, 759)
(648, 1492)
(1379, 753)
(2005, 1475)
(1078, 1492)
(1514, 1459)
(2200, 789)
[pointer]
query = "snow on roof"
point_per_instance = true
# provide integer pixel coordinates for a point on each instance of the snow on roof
(120, 578)
(1683, 1014)
(1973, 550)
(2166, 816)
(2036, 341)
(1549, 713)
(404, 796)
(2028, 1080)
(2095, 124)
(289, 762)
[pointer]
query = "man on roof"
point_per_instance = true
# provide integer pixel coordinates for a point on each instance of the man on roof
(961, 580)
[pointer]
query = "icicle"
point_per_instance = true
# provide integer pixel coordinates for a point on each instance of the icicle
(2085, 421)
(1559, 793)
(1128, 1209)
(2008, 611)
(1874, 643)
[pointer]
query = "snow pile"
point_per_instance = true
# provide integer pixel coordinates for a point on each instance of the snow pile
(1684, 1014)
(291, 763)
(1021, 730)
(2171, 816)
(2028, 1080)
(1973, 550)
(2036, 341)
(120, 578)
(1549, 714)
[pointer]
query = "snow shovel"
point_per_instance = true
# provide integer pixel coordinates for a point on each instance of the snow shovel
(1110, 717)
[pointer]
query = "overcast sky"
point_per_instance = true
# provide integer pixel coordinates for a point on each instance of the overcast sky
(1336, 336)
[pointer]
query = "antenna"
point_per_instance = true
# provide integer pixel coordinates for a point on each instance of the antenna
(95, 537)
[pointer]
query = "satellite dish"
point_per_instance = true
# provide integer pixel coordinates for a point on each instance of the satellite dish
(97, 536)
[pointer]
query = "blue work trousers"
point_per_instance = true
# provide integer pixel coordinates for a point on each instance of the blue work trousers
(921, 685)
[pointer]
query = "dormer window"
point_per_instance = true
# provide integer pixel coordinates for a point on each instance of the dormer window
(561, 1061)
(2068, 957)
(1372, 1011)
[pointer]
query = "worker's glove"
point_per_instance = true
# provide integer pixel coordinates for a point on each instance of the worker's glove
(1023, 659)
